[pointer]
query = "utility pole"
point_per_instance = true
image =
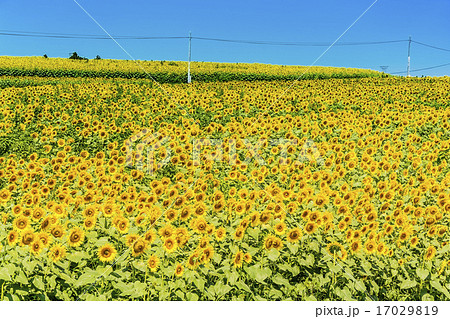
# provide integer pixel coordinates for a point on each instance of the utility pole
(189, 59)
(409, 57)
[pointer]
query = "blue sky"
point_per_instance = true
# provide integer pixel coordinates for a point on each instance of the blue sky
(275, 20)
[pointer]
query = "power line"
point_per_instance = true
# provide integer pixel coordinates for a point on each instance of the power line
(88, 37)
(423, 69)
(51, 33)
(431, 46)
(296, 43)
(129, 37)
(134, 37)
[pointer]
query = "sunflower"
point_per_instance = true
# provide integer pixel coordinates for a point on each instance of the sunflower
(193, 261)
(310, 228)
(200, 225)
(254, 219)
(204, 241)
(44, 238)
(238, 259)
(244, 223)
(239, 233)
(89, 212)
(59, 210)
(123, 225)
(182, 236)
(381, 247)
(46, 223)
(57, 253)
(305, 214)
(108, 209)
(57, 231)
(179, 269)
(320, 200)
(247, 258)
(414, 241)
(268, 242)
(89, 223)
(342, 225)
(17, 210)
(432, 231)
(27, 237)
(185, 213)
(21, 223)
(139, 247)
(403, 236)
(153, 263)
(265, 217)
(356, 235)
(430, 221)
(130, 239)
(76, 237)
(36, 247)
(327, 218)
(355, 247)
(170, 244)
(364, 229)
(314, 216)
(294, 235)
(5, 195)
(218, 206)
(277, 243)
(389, 229)
(61, 143)
(149, 236)
(220, 233)
(430, 253)
(38, 213)
(171, 215)
(106, 253)
(280, 228)
(13, 238)
(208, 253)
(442, 230)
(240, 208)
(370, 247)
(166, 231)
(371, 217)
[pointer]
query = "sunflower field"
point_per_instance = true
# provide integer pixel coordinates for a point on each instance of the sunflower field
(321, 189)
(171, 71)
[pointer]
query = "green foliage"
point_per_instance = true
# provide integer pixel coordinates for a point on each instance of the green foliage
(168, 77)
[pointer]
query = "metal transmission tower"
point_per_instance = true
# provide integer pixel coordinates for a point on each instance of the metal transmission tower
(189, 59)
(384, 67)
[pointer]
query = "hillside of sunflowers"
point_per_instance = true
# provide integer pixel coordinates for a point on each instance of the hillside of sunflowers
(170, 71)
(333, 187)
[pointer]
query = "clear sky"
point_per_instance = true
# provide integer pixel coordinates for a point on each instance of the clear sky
(275, 20)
